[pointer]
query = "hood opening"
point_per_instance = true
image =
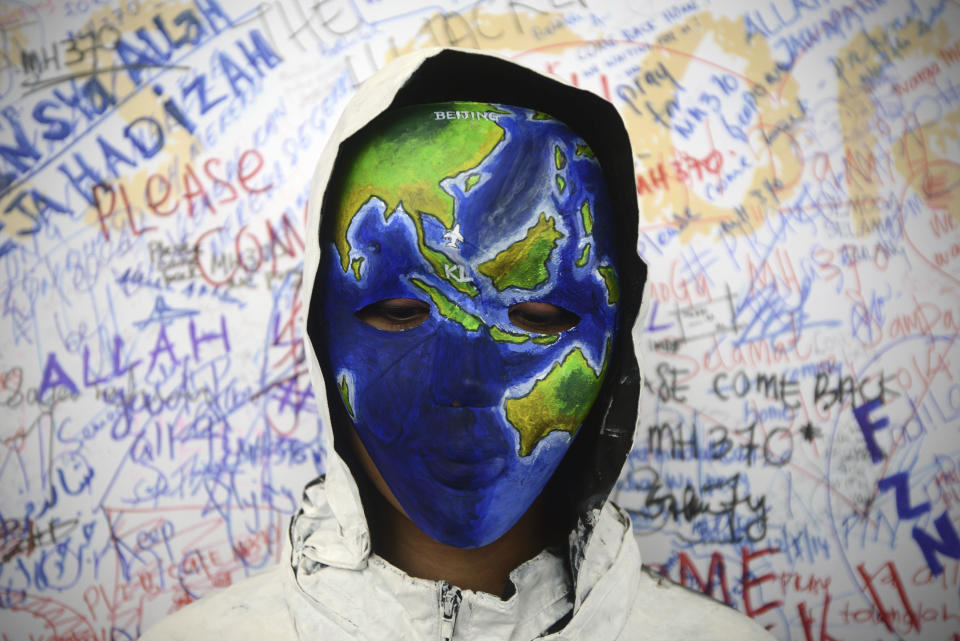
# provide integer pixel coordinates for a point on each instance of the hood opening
(589, 470)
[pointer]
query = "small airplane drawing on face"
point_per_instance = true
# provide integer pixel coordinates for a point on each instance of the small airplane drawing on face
(453, 238)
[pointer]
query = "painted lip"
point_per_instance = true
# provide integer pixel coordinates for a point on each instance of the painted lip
(465, 475)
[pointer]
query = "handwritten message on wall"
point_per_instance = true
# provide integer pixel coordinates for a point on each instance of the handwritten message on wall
(797, 171)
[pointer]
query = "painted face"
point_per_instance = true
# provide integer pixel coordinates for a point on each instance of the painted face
(469, 303)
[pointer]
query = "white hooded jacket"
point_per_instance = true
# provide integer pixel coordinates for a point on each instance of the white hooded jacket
(334, 587)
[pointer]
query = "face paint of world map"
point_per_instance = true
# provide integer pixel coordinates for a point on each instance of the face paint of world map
(469, 306)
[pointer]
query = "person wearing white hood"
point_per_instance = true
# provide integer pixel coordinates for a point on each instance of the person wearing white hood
(474, 286)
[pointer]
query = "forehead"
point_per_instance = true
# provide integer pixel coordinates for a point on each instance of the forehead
(489, 172)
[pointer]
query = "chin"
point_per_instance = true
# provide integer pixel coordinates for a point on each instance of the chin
(467, 518)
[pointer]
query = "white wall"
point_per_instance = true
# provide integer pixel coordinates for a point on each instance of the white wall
(797, 173)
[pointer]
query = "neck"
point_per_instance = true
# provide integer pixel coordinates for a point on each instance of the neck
(485, 569)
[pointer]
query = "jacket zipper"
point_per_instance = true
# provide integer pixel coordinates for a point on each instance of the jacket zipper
(449, 598)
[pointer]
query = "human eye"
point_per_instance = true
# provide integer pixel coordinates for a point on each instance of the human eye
(542, 318)
(395, 314)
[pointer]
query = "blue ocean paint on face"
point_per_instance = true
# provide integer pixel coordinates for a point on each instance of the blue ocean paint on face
(467, 414)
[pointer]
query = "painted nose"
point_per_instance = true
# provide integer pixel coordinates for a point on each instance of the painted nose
(467, 369)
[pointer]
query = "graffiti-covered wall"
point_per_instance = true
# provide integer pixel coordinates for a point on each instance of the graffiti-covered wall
(796, 167)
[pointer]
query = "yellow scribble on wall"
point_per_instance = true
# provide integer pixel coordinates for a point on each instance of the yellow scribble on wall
(22, 64)
(706, 126)
(15, 41)
(89, 58)
(144, 101)
(515, 31)
(912, 55)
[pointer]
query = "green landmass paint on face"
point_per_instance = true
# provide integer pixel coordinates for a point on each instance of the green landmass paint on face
(345, 395)
(432, 150)
(547, 339)
(472, 180)
(561, 183)
(586, 216)
(584, 150)
(584, 256)
(356, 266)
(558, 401)
(501, 336)
(524, 263)
(449, 309)
(559, 158)
(611, 283)
(541, 116)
